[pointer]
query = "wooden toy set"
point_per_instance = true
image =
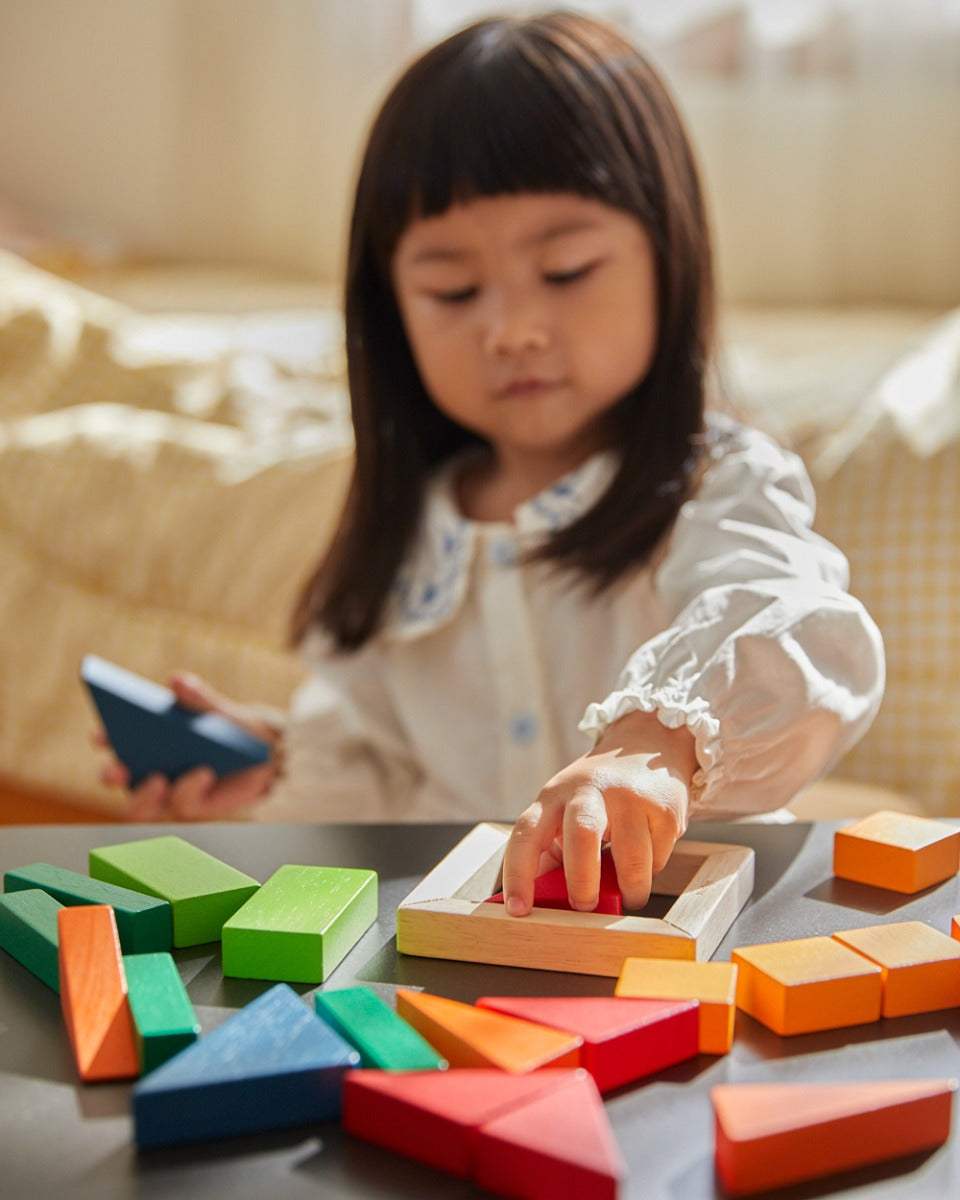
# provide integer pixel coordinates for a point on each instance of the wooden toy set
(507, 1091)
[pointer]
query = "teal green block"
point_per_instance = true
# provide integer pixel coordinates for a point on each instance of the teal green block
(164, 1022)
(143, 922)
(300, 924)
(28, 932)
(202, 891)
(385, 1040)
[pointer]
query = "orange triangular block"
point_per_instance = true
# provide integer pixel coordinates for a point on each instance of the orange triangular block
(558, 1146)
(431, 1115)
(93, 993)
(773, 1135)
(468, 1036)
(623, 1039)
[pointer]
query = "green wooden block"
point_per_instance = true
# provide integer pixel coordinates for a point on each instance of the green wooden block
(143, 922)
(385, 1040)
(28, 932)
(202, 891)
(301, 924)
(163, 1018)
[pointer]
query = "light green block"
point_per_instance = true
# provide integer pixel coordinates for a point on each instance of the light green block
(300, 924)
(28, 932)
(163, 1018)
(143, 922)
(385, 1040)
(202, 891)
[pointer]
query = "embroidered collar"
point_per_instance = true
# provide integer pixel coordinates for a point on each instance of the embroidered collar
(433, 582)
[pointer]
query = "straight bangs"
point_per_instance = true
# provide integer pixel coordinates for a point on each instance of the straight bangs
(504, 114)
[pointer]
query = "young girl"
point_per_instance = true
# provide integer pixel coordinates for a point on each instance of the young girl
(546, 536)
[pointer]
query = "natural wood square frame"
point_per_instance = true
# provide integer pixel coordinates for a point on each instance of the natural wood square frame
(446, 916)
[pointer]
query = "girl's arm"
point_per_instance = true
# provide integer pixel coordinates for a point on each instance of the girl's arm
(767, 666)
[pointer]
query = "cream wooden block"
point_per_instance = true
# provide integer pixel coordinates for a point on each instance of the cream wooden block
(920, 965)
(446, 916)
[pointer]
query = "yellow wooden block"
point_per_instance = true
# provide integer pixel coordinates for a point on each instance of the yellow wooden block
(898, 851)
(713, 984)
(920, 965)
(807, 984)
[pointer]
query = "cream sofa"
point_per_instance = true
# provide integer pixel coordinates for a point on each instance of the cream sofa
(168, 477)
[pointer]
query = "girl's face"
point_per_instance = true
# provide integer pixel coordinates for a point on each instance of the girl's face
(529, 316)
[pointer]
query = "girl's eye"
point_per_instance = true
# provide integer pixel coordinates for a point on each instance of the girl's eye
(560, 278)
(456, 295)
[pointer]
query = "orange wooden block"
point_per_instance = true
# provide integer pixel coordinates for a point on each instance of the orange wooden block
(468, 1036)
(920, 965)
(773, 1135)
(807, 984)
(713, 984)
(897, 851)
(93, 993)
(955, 928)
(558, 1146)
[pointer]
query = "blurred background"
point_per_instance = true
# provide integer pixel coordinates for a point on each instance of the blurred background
(175, 179)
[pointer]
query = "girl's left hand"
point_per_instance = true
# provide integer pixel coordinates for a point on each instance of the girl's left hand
(631, 790)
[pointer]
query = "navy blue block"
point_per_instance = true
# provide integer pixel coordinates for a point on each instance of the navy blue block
(273, 1065)
(152, 734)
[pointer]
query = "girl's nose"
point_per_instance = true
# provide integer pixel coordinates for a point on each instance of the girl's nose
(515, 328)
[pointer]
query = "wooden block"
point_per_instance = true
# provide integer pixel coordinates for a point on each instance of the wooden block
(272, 1065)
(383, 1039)
(432, 1116)
(28, 932)
(550, 889)
(898, 851)
(623, 1040)
(807, 984)
(143, 922)
(93, 994)
(955, 928)
(773, 1135)
(164, 1022)
(300, 924)
(920, 965)
(152, 734)
(558, 1146)
(712, 984)
(446, 916)
(468, 1036)
(202, 891)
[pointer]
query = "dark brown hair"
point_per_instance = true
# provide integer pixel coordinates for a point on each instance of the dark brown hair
(553, 103)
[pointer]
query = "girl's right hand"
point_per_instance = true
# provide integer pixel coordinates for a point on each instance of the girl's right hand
(198, 795)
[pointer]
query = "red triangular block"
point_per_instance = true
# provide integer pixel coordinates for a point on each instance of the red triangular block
(623, 1039)
(558, 1146)
(550, 889)
(773, 1135)
(432, 1115)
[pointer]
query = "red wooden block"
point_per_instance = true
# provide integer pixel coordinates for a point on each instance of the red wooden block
(558, 1146)
(623, 1039)
(550, 889)
(772, 1135)
(431, 1116)
(93, 993)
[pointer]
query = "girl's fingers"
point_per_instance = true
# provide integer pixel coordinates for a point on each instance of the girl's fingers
(633, 855)
(584, 828)
(148, 802)
(531, 838)
(203, 798)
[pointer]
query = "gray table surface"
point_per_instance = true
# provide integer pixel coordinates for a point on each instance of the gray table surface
(60, 1138)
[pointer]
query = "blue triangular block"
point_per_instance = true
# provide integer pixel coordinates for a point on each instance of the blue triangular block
(274, 1064)
(152, 734)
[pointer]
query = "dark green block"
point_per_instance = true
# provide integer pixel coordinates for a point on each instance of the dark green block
(385, 1040)
(163, 1018)
(143, 922)
(28, 932)
(300, 924)
(202, 891)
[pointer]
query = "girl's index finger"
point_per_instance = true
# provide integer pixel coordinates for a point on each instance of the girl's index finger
(531, 837)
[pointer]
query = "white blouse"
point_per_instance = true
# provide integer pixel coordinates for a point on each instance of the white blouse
(488, 675)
